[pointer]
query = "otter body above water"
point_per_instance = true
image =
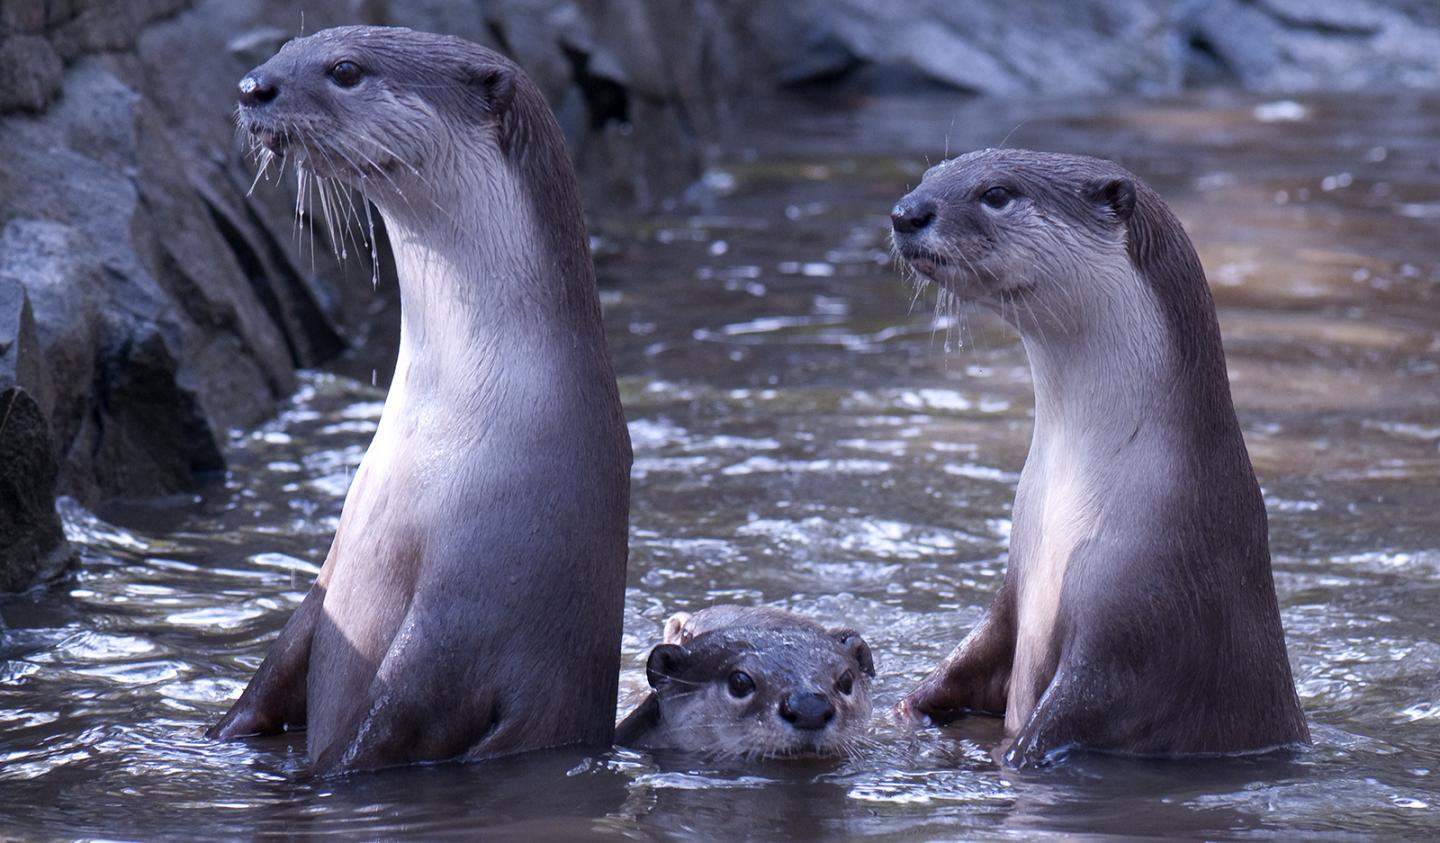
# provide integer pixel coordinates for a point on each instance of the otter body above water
(470, 605)
(733, 681)
(1138, 613)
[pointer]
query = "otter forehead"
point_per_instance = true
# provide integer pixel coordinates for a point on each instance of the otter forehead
(1023, 171)
(799, 652)
(418, 62)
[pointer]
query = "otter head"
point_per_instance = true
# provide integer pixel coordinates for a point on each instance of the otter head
(378, 106)
(1027, 233)
(764, 691)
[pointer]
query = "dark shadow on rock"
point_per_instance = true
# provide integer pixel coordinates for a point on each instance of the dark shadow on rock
(32, 541)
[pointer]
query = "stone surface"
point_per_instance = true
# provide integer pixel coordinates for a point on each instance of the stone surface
(30, 73)
(128, 276)
(32, 542)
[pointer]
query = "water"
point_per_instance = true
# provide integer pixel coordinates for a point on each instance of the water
(803, 438)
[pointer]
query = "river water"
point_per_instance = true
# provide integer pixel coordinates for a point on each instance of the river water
(807, 437)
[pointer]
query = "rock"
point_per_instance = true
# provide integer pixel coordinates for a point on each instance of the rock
(95, 26)
(30, 73)
(1290, 45)
(24, 16)
(21, 361)
(135, 292)
(32, 541)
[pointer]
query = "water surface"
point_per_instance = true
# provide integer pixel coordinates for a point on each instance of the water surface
(806, 437)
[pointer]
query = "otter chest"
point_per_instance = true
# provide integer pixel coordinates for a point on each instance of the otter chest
(1054, 514)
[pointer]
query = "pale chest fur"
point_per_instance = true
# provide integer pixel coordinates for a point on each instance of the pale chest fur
(1054, 513)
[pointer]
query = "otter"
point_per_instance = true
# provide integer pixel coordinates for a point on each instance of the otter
(1137, 614)
(471, 602)
(747, 682)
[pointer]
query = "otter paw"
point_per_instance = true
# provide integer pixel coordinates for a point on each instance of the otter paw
(907, 715)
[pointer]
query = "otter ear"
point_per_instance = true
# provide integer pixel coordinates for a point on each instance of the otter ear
(1116, 195)
(858, 649)
(495, 83)
(675, 629)
(664, 663)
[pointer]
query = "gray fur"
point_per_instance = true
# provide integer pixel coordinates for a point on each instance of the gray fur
(1138, 613)
(471, 603)
(788, 657)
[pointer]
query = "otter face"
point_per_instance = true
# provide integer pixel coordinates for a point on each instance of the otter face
(755, 692)
(358, 102)
(999, 224)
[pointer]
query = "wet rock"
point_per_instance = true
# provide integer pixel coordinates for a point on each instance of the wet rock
(1287, 45)
(24, 16)
(32, 542)
(1099, 47)
(132, 285)
(30, 73)
(79, 27)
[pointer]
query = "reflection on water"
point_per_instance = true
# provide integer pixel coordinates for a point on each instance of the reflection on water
(803, 438)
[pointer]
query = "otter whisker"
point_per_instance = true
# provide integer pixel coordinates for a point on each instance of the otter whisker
(374, 248)
(349, 194)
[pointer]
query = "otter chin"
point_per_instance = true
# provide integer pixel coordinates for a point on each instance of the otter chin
(471, 602)
(1138, 612)
(753, 682)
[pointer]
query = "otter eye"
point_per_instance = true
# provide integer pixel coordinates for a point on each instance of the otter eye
(846, 683)
(741, 685)
(346, 74)
(997, 197)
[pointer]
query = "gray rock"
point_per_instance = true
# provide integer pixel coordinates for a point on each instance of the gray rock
(32, 541)
(132, 284)
(1289, 45)
(30, 73)
(81, 27)
(24, 16)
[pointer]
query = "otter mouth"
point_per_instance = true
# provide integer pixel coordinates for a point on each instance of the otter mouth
(264, 134)
(275, 140)
(809, 748)
(924, 261)
(281, 141)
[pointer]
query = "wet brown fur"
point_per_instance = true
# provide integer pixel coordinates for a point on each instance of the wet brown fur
(1138, 613)
(786, 655)
(471, 603)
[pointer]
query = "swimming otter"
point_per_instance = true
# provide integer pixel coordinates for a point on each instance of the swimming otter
(471, 602)
(734, 681)
(1138, 613)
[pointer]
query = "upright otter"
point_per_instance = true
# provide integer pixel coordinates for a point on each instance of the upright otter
(736, 681)
(471, 602)
(1138, 614)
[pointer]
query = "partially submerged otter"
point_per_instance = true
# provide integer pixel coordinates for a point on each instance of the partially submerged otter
(736, 681)
(471, 602)
(1138, 613)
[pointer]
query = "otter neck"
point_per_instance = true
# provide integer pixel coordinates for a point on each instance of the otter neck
(1103, 370)
(484, 280)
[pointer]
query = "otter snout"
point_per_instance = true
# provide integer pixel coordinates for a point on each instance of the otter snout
(912, 214)
(807, 710)
(257, 88)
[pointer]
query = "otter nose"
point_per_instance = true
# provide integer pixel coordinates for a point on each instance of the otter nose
(909, 217)
(255, 89)
(807, 711)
